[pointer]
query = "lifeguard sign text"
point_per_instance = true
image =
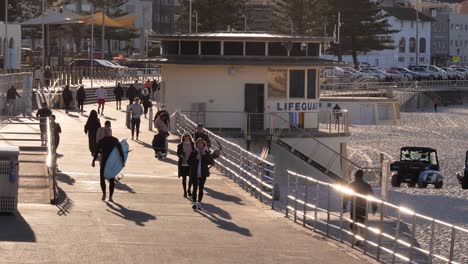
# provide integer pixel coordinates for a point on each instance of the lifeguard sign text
(294, 106)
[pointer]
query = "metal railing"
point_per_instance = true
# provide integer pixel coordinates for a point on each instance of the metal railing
(394, 235)
(313, 150)
(20, 138)
(253, 173)
(385, 89)
(23, 85)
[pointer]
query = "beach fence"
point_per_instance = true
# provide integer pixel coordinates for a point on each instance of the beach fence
(23, 83)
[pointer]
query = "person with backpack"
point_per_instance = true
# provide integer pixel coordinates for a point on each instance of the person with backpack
(104, 148)
(199, 160)
(118, 92)
(67, 97)
(184, 149)
(200, 133)
(81, 98)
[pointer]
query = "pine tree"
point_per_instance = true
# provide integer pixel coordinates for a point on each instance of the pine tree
(213, 15)
(302, 17)
(362, 23)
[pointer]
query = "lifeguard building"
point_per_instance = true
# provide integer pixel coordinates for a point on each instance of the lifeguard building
(256, 83)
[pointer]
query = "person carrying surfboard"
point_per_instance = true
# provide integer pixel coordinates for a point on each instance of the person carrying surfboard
(105, 147)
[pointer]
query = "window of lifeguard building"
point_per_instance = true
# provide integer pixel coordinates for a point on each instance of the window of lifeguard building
(277, 84)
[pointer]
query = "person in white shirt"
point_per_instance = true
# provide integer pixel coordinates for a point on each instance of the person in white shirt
(101, 95)
(136, 110)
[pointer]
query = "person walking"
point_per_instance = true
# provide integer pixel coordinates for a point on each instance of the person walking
(67, 97)
(91, 128)
(38, 78)
(43, 114)
(436, 103)
(81, 98)
(154, 87)
(100, 131)
(199, 160)
(131, 93)
(12, 94)
(358, 212)
(146, 101)
(104, 148)
(200, 133)
(184, 149)
(118, 92)
(136, 110)
(47, 76)
(162, 125)
(101, 95)
(148, 84)
(57, 131)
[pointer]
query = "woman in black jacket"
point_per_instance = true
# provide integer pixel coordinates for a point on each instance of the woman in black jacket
(184, 149)
(81, 98)
(67, 97)
(199, 161)
(91, 128)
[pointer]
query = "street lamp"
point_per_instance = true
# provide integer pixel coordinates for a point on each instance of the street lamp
(196, 21)
(5, 43)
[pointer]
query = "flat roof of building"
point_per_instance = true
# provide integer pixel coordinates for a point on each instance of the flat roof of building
(241, 60)
(242, 36)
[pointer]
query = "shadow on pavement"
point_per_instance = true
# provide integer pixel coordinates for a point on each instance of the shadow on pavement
(64, 203)
(144, 144)
(214, 210)
(65, 178)
(109, 118)
(123, 187)
(139, 217)
(223, 224)
(14, 228)
(223, 197)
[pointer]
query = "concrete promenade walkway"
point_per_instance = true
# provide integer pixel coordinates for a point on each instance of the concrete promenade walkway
(150, 221)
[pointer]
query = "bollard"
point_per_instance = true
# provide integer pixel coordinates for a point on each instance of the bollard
(127, 117)
(150, 119)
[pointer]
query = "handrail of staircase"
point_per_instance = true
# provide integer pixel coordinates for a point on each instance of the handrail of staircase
(304, 133)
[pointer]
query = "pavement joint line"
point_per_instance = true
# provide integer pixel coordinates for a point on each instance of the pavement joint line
(125, 175)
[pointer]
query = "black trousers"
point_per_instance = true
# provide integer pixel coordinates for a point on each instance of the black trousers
(103, 182)
(136, 123)
(67, 104)
(80, 105)
(198, 187)
(184, 184)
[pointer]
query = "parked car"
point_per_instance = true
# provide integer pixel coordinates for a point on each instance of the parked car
(436, 71)
(424, 74)
(354, 74)
(377, 73)
(461, 70)
(396, 75)
(409, 75)
(453, 74)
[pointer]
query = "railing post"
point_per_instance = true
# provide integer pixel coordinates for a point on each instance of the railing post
(304, 214)
(452, 244)
(317, 197)
(295, 199)
(287, 196)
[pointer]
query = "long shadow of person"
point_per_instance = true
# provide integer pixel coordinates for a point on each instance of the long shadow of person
(214, 210)
(226, 225)
(139, 217)
(65, 178)
(223, 197)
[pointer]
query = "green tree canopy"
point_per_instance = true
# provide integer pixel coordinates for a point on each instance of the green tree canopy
(364, 27)
(214, 15)
(302, 17)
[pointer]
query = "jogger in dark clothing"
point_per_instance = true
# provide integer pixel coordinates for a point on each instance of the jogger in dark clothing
(184, 149)
(81, 98)
(199, 160)
(136, 110)
(105, 147)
